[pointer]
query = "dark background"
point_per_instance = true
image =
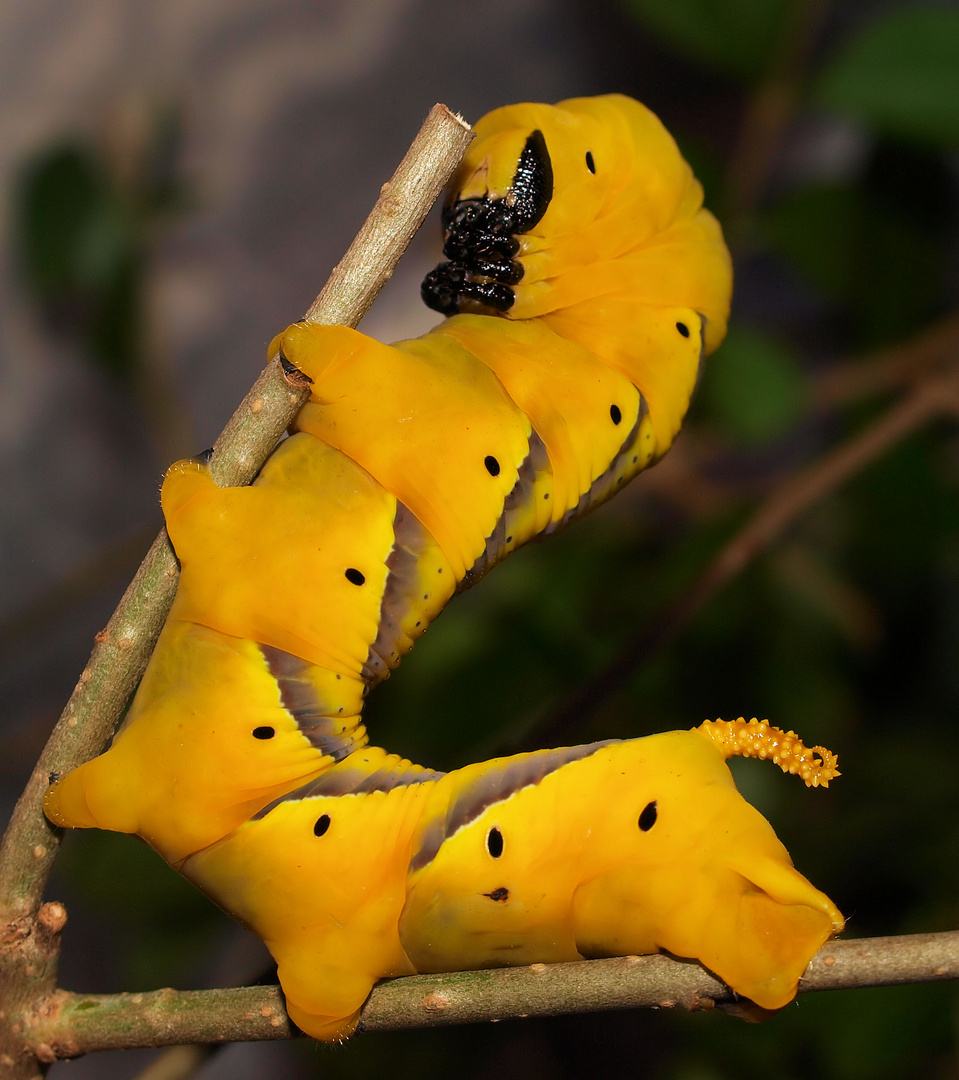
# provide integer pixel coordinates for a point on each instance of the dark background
(177, 181)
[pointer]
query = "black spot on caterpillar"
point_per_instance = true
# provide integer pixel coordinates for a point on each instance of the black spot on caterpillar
(494, 843)
(276, 625)
(564, 293)
(647, 819)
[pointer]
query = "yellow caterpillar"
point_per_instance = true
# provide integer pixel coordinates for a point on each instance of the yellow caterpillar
(381, 868)
(585, 282)
(415, 467)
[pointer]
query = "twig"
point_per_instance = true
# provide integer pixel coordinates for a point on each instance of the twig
(29, 845)
(72, 1024)
(254, 429)
(932, 398)
(890, 368)
(769, 111)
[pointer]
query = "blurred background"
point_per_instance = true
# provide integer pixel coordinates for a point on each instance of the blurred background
(177, 180)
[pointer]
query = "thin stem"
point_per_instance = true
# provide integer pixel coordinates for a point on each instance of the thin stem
(123, 648)
(28, 947)
(907, 362)
(73, 1024)
(769, 112)
(790, 500)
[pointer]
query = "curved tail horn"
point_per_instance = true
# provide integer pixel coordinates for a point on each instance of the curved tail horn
(759, 739)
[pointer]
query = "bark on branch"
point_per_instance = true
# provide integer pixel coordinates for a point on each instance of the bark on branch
(123, 648)
(72, 1024)
(27, 951)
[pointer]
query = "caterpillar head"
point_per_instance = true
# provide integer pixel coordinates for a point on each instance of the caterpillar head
(554, 206)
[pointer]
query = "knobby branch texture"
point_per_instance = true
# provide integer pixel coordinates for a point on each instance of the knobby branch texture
(71, 1024)
(28, 951)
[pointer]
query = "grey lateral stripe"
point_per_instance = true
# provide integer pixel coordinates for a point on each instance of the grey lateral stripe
(356, 782)
(494, 786)
(410, 539)
(535, 462)
(314, 717)
(604, 484)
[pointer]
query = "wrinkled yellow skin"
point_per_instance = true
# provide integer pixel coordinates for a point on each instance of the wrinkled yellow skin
(416, 468)
(185, 769)
(575, 877)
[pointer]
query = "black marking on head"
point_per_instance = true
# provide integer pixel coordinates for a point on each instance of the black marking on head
(205, 456)
(322, 824)
(647, 819)
(502, 893)
(493, 786)
(264, 732)
(683, 329)
(447, 287)
(494, 842)
(53, 777)
(590, 164)
(480, 239)
(355, 577)
(492, 465)
(532, 187)
(615, 414)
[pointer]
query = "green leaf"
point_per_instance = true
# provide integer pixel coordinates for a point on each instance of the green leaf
(815, 228)
(900, 76)
(753, 387)
(732, 36)
(61, 208)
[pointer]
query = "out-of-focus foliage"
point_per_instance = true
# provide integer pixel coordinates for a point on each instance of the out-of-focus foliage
(876, 247)
(84, 221)
(900, 76)
(732, 36)
(847, 630)
(754, 388)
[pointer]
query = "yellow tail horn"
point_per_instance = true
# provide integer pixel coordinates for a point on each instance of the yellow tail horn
(759, 739)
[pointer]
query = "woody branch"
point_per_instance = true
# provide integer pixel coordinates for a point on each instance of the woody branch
(29, 933)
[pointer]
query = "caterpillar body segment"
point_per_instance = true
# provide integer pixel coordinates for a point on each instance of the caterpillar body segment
(379, 868)
(585, 284)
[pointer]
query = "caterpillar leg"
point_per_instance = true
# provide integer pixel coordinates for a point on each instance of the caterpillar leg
(332, 1018)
